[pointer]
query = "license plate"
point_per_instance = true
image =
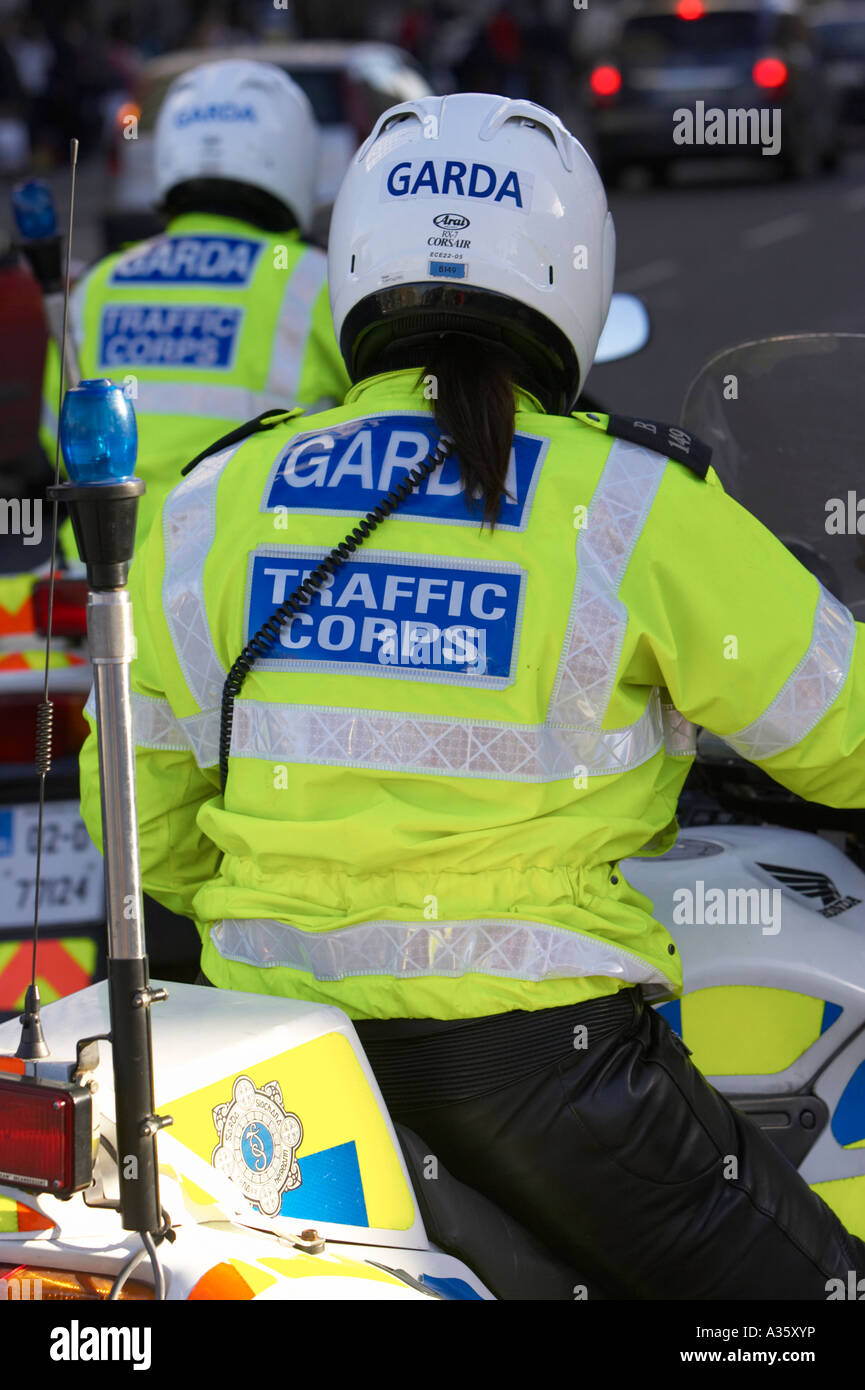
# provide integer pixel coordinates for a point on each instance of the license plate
(72, 887)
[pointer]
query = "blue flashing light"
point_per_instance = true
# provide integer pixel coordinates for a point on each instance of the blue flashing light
(98, 434)
(33, 209)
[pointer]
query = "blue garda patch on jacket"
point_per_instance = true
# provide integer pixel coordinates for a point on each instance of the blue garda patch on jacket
(346, 469)
(418, 617)
(169, 335)
(190, 260)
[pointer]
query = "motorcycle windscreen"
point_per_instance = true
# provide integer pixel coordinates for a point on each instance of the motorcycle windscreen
(786, 423)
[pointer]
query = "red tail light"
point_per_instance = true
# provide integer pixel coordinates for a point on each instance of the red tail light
(769, 72)
(18, 726)
(690, 9)
(605, 80)
(69, 618)
(45, 1135)
(127, 116)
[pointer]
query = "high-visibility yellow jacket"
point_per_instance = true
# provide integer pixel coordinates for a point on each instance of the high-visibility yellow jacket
(205, 327)
(435, 772)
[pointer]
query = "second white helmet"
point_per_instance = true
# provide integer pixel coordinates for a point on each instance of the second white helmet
(243, 121)
(478, 213)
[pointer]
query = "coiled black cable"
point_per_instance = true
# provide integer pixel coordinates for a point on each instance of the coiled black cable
(304, 593)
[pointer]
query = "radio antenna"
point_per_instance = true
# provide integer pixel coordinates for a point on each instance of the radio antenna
(33, 1045)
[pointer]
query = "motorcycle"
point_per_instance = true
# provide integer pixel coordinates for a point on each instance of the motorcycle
(282, 1175)
(764, 892)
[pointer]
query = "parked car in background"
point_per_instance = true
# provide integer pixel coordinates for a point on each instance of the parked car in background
(348, 84)
(839, 34)
(727, 55)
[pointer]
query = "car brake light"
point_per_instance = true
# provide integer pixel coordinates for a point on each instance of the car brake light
(128, 113)
(769, 72)
(605, 80)
(69, 618)
(690, 9)
(45, 1134)
(18, 726)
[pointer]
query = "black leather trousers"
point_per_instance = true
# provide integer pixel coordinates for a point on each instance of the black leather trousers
(592, 1128)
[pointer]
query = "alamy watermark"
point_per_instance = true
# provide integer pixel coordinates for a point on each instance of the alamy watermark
(77, 1343)
(845, 516)
(412, 643)
(699, 906)
(738, 126)
(21, 518)
(14, 1288)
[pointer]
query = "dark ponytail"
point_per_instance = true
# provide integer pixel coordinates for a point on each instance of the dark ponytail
(471, 386)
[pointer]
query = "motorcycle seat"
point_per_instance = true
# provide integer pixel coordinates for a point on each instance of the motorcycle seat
(505, 1256)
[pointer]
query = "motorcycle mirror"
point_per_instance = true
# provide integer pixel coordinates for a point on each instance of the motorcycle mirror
(626, 330)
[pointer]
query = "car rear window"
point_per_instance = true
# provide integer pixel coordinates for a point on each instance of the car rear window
(660, 39)
(321, 85)
(842, 40)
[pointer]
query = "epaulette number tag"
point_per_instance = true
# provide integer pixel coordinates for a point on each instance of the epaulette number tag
(675, 443)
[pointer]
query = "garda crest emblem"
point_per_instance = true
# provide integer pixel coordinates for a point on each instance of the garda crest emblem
(258, 1140)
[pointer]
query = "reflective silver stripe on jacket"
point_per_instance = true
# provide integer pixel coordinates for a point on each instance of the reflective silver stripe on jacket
(293, 326)
(680, 735)
(326, 735)
(189, 527)
(598, 619)
(507, 948)
(77, 299)
(431, 744)
(810, 691)
(157, 726)
(48, 418)
(195, 398)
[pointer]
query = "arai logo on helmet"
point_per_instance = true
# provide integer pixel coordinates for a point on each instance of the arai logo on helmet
(216, 111)
(453, 178)
(451, 222)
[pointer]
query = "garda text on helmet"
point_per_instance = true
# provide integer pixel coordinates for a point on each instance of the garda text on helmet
(419, 617)
(457, 178)
(218, 112)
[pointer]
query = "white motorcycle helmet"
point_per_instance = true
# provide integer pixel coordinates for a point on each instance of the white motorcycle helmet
(476, 214)
(241, 121)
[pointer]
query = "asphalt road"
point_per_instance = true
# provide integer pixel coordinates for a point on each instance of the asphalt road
(725, 256)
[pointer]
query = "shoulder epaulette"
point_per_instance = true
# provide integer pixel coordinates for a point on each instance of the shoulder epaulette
(669, 440)
(265, 421)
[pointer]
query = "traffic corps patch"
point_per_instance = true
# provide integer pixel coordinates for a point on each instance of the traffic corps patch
(169, 335)
(417, 616)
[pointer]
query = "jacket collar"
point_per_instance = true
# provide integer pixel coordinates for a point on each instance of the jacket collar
(389, 389)
(191, 223)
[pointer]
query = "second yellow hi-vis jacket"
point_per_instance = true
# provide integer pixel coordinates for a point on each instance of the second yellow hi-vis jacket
(204, 327)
